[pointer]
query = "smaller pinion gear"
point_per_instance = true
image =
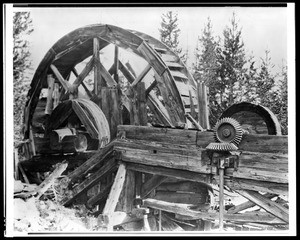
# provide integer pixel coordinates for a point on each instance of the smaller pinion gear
(228, 130)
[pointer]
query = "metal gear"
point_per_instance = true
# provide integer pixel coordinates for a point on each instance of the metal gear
(228, 130)
(222, 146)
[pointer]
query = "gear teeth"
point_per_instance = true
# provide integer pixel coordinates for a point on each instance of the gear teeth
(222, 147)
(238, 131)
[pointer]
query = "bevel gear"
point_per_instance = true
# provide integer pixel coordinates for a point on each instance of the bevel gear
(222, 147)
(228, 130)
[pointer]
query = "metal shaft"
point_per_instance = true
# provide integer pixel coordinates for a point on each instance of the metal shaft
(221, 198)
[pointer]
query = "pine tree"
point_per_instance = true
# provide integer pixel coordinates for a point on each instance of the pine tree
(169, 33)
(22, 26)
(232, 61)
(206, 66)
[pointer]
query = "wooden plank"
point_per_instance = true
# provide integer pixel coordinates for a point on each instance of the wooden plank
(178, 74)
(92, 130)
(141, 103)
(184, 186)
(194, 122)
(115, 191)
(125, 203)
(142, 75)
(115, 118)
(66, 85)
(126, 72)
(88, 67)
(202, 105)
(267, 204)
(183, 209)
(164, 135)
(173, 65)
(151, 184)
(106, 169)
(248, 204)
(169, 172)
(116, 64)
(249, 184)
(105, 74)
(99, 197)
(97, 159)
(169, 58)
(166, 157)
(150, 88)
(196, 199)
(158, 109)
(97, 74)
(82, 83)
(152, 57)
(49, 104)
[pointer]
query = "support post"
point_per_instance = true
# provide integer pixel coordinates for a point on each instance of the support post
(202, 105)
(116, 64)
(221, 197)
(49, 104)
(97, 75)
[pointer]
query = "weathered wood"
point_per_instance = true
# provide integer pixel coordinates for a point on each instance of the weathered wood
(49, 104)
(150, 88)
(116, 64)
(168, 172)
(82, 83)
(99, 197)
(47, 183)
(115, 118)
(84, 118)
(115, 191)
(88, 67)
(97, 74)
(184, 186)
(141, 76)
(192, 106)
(248, 204)
(105, 74)
(151, 184)
(260, 217)
(262, 186)
(126, 72)
(106, 169)
(194, 122)
(56, 95)
(125, 203)
(202, 105)
(267, 204)
(96, 159)
(66, 85)
(254, 143)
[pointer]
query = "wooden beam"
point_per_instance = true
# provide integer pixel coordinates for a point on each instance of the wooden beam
(150, 88)
(99, 197)
(142, 75)
(272, 207)
(49, 104)
(192, 106)
(116, 64)
(194, 122)
(182, 209)
(95, 160)
(115, 192)
(105, 74)
(107, 168)
(202, 105)
(248, 204)
(82, 83)
(88, 67)
(126, 72)
(96, 56)
(85, 119)
(66, 85)
(151, 184)
(172, 173)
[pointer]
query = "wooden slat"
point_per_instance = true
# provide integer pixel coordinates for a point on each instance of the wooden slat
(88, 67)
(116, 64)
(248, 204)
(194, 122)
(178, 74)
(105, 74)
(173, 64)
(169, 58)
(126, 72)
(202, 105)
(107, 168)
(169, 172)
(142, 75)
(93, 131)
(66, 85)
(151, 184)
(267, 204)
(115, 191)
(49, 104)
(183, 209)
(96, 56)
(197, 199)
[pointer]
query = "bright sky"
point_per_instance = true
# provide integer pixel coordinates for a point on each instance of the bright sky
(262, 27)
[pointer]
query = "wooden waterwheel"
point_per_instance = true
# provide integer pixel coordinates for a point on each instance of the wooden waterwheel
(168, 88)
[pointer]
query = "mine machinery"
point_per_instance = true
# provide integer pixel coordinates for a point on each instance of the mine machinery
(137, 139)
